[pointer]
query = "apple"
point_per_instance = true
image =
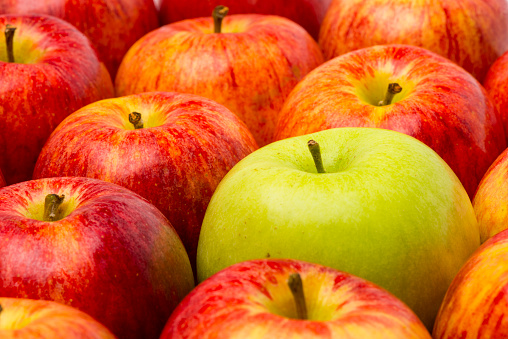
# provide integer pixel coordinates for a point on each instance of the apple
(471, 33)
(269, 298)
(496, 84)
(111, 25)
(307, 13)
(28, 318)
(387, 209)
(95, 246)
(476, 302)
(438, 103)
(250, 66)
(175, 160)
(55, 71)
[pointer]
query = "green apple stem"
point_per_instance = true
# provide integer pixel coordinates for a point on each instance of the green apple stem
(135, 119)
(51, 205)
(9, 41)
(296, 286)
(315, 150)
(218, 14)
(393, 89)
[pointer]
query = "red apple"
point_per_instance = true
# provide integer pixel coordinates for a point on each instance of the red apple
(308, 13)
(187, 144)
(55, 72)
(440, 104)
(95, 246)
(250, 67)
(28, 318)
(496, 84)
(252, 299)
(111, 25)
(472, 33)
(476, 303)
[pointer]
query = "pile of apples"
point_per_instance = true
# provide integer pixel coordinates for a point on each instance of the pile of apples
(253, 169)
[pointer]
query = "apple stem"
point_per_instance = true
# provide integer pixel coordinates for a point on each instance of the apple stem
(218, 14)
(393, 89)
(296, 286)
(9, 41)
(51, 204)
(315, 150)
(135, 119)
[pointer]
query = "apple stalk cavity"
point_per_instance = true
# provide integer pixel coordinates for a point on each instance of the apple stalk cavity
(393, 88)
(296, 286)
(51, 205)
(218, 14)
(136, 120)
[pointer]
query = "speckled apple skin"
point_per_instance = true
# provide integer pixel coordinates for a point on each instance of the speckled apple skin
(252, 300)
(440, 104)
(476, 302)
(250, 68)
(307, 13)
(115, 256)
(176, 162)
(496, 84)
(472, 33)
(111, 25)
(42, 319)
(36, 97)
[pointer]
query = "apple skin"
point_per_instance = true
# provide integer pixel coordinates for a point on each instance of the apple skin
(307, 13)
(472, 33)
(476, 302)
(56, 72)
(440, 104)
(28, 318)
(251, 299)
(250, 68)
(496, 84)
(389, 210)
(114, 256)
(111, 25)
(176, 162)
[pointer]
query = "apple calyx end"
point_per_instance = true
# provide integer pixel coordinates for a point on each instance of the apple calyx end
(136, 120)
(218, 14)
(51, 204)
(393, 88)
(315, 151)
(296, 286)
(9, 42)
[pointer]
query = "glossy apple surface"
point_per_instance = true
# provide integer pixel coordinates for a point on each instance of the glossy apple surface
(472, 33)
(496, 84)
(111, 25)
(188, 143)
(440, 104)
(250, 67)
(476, 303)
(252, 300)
(388, 209)
(307, 13)
(55, 72)
(109, 253)
(28, 318)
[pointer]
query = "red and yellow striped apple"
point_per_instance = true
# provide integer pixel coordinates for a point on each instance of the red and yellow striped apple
(250, 67)
(95, 246)
(496, 84)
(252, 299)
(439, 103)
(28, 318)
(472, 33)
(54, 71)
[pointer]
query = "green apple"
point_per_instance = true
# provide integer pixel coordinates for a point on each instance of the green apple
(387, 209)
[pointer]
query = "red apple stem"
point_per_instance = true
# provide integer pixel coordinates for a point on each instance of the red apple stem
(9, 41)
(219, 13)
(51, 205)
(315, 150)
(296, 286)
(135, 119)
(393, 88)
